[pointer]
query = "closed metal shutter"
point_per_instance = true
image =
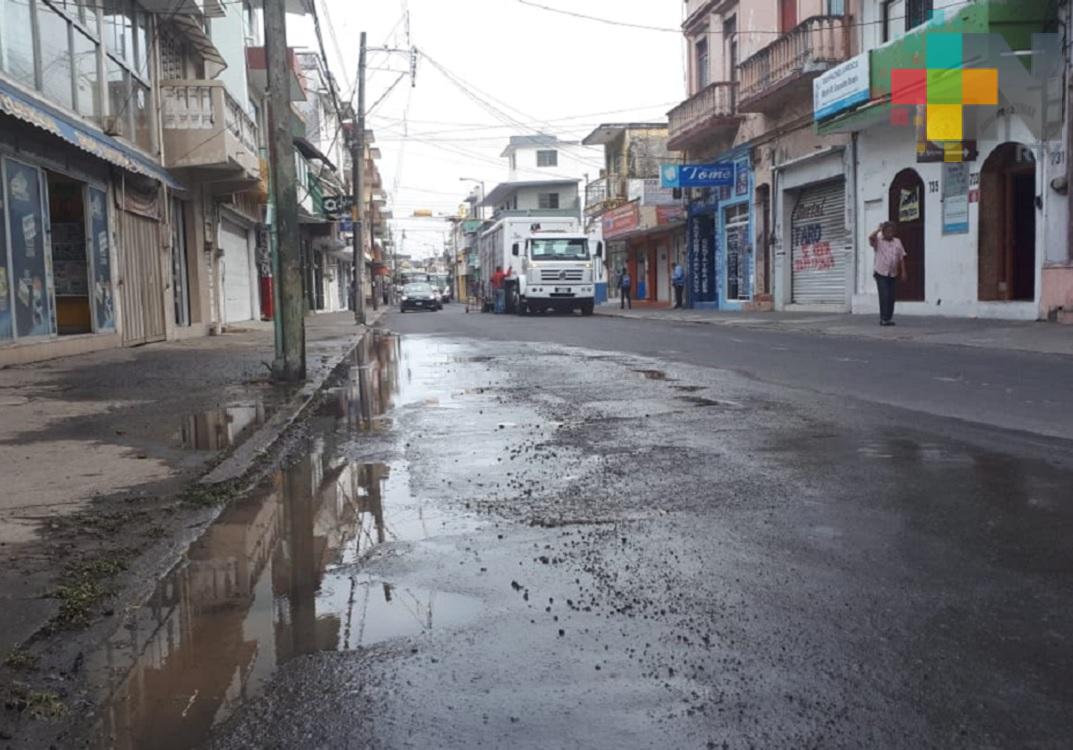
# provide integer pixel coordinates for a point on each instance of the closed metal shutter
(820, 247)
(238, 281)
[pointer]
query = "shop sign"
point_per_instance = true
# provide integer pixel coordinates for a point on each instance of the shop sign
(621, 220)
(717, 174)
(841, 88)
(648, 192)
(670, 214)
(337, 205)
(955, 199)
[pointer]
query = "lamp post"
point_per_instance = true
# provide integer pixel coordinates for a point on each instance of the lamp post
(480, 208)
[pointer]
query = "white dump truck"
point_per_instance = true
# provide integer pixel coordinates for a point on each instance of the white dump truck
(552, 264)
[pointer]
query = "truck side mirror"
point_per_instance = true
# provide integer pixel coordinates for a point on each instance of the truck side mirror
(514, 250)
(599, 249)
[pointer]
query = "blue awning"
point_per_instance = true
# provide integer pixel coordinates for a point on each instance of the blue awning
(79, 134)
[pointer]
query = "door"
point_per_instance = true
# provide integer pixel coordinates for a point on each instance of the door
(142, 288)
(819, 246)
(663, 271)
(907, 211)
(736, 226)
(179, 276)
(787, 16)
(1007, 250)
(237, 277)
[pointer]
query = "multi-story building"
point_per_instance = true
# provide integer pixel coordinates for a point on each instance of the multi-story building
(750, 68)
(986, 225)
(642, 225)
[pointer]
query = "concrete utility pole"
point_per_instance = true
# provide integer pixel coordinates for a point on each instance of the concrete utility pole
(290, 305)
(357, 156)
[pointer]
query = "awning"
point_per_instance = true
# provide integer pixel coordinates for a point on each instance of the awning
(200, 40)
(80, 134)
(310, 151)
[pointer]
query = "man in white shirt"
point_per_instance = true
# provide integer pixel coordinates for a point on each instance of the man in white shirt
(889, 267)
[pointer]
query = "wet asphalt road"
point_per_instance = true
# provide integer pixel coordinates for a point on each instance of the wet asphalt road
(595, 533)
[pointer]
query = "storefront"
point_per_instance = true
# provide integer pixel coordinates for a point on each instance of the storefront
(645, 241)
(239, 271)
(721, 259)
(71, 227)
(814, 265)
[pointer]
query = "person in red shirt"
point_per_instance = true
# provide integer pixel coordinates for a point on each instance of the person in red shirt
(498, 280)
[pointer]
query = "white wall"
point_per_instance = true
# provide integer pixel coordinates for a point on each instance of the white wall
(229, 36)
(951, 271)
(529, 198)
(575, 162)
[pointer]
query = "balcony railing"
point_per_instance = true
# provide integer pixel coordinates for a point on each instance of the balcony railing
(808, 50)
(205, 127)
(712, 108)
(595, 193)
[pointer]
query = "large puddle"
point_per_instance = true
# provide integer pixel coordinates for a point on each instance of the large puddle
(279, 575)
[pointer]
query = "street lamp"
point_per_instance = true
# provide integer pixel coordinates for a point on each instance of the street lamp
(480, 208)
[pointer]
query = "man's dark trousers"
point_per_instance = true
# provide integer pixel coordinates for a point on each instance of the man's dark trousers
(887, 290)
(625, 300)
(678, 294)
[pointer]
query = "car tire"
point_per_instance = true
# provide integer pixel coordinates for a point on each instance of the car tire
(588, 308)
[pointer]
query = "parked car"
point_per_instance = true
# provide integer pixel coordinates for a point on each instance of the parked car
(420, 296)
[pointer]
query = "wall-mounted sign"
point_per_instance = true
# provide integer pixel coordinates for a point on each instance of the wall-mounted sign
(335, 205)
(719, 174)
(841, 88)
(955, 199)
(621, 220)
(909, 206)
(649, 192)
(670, 214)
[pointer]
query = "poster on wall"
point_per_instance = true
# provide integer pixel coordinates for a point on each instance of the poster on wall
(100, 248)
(702, 258)
(741, 178)
(32, 311)
(956, 198)
(909, 206)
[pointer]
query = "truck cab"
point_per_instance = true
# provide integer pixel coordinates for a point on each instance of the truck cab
(557, 272)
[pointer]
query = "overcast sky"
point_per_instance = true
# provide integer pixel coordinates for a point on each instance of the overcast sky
(550, 72)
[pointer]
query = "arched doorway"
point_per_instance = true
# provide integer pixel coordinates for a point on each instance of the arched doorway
(1007, 244)
(907, 211)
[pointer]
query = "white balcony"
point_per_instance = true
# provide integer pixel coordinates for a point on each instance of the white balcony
(205, 128)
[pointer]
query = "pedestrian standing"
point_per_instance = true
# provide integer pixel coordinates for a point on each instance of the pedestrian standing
(889, 267)
(678, 279)
(624, 283)
(498, 289)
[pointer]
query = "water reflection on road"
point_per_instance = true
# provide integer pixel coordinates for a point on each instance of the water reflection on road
(276, 576)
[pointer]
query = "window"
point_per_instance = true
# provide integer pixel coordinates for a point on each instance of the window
(16, 45)
(836, 7)
(704, 66)
(547, 158)
(900, 16)
(787, 16)
(730, 47)
(548, 200)
(87, 80)
(55, 51)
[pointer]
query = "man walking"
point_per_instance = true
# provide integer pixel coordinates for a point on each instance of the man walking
(678, 279)
(624, 283)
(889, 267)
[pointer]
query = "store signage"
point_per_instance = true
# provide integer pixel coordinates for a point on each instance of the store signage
(335, 205)
(621, 220)
(649, 192)
(670, 214)
(841, 88)
(955, 199)
(718, 174)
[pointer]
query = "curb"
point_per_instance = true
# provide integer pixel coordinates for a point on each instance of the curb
(241, 460)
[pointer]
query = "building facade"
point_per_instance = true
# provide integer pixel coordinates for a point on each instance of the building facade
(750, 68)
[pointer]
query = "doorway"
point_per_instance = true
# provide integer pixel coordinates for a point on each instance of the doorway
(907, 211)
(1007, 245)
(70, 262)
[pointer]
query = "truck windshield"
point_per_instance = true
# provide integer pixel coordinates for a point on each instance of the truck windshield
(559, 249)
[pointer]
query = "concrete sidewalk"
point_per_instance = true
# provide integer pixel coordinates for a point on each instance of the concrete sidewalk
(133, 426)
(1042, 338)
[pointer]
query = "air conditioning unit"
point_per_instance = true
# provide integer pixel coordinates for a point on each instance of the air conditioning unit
(111, 125)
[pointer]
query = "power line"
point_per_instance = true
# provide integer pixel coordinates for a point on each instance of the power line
(598, 19)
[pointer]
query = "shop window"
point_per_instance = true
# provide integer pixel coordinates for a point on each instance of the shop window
(16, 44)
(548, 200)
(549, 158)
(27, 267)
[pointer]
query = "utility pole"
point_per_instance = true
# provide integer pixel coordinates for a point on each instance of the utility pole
(357, 156)
(290, 306)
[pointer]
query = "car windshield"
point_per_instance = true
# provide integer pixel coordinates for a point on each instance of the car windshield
(440, 281)
(418, 289)
(559, 249)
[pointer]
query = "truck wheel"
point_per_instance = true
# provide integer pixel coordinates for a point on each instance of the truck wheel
(588, 308)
